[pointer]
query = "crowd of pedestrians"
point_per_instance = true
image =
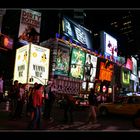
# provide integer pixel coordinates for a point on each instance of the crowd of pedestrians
(38, 101)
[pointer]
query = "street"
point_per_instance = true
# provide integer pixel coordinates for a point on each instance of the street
(110, 123)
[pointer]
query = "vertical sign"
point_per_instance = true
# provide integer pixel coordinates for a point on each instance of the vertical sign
(39, 64)
(30, 22)
(21, 64)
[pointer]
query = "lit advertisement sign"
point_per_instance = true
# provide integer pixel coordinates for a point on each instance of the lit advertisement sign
(84, 84)
(21, 64)
(125, 77)
(39, 64)
(134, 70)
(106, 73)
(109, 45)
(90, 68)
(90, 85)
(6, 42)
(77, 32)
(129, 64)
(121, 60)
(97, 87)
(30, 22)
(32, 62)
(62, 61)
(77, 63)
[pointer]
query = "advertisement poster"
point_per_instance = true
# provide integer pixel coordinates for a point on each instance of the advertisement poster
(29, 28)
(129, 64)
(77, 63)
(39, 64)
(125, 77)
(90, 68)
(78, 33)
(110, 45)
(6, 42)
(134, 70)
(62, 61)
(106, 72)
(21, 64)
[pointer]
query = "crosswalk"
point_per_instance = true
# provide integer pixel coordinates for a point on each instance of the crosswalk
(75, 126)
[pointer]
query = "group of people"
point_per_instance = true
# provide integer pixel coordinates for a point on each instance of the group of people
(41, 97)
(19, 95)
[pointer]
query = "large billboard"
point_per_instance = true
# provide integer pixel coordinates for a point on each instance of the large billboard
(21, 64)
(32, 64)
(106, 71)
(90, 68)
(125, 77)
(62, 61)
(109, 45)
(134, 70)
(77, 32)
(29, 28)
(77, 63)
(39, 64)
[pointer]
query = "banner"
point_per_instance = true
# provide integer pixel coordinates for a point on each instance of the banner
(29, 28)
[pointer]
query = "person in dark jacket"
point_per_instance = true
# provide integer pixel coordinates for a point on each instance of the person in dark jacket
(49, 99)
(92, 98)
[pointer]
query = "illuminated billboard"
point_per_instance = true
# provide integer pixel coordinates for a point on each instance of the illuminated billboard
(77, 32)
(109, 45)
(125, 77)
(77, 63)
(134, 70)
(29, 28)
(32, 64)
(129, 64)
(90, 68)
(39, 64)
(62, 61)
(21, 64)
(106, 71)
(6, 42)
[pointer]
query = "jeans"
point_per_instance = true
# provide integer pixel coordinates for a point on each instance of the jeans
(36, 121)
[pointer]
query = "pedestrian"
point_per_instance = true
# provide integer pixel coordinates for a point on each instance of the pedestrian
(49, 99)
(13, 95)
(69, 105)
(37, 105)
(93, 103)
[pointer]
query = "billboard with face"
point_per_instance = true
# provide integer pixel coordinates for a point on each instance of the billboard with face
(109, 45)
(90, 67)
(77, 32)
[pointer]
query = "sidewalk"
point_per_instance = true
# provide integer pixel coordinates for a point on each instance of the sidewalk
(22, 123)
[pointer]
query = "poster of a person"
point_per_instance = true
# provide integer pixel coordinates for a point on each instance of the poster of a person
(29, 28)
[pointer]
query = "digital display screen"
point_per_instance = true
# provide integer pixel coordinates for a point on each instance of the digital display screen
(109, 45)
(77, 32)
